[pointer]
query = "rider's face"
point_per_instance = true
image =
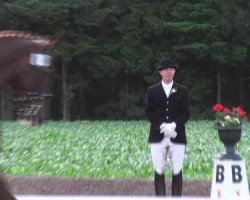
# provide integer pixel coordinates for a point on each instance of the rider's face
(167, 74)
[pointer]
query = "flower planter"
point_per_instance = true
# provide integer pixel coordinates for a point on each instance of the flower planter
(229, 137)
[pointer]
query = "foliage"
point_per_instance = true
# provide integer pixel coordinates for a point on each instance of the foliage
(111, 48)
(105, 149)
(201, 83)
(224, 117)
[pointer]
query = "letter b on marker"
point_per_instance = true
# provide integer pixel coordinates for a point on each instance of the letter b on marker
(236, 173)
(220, 173)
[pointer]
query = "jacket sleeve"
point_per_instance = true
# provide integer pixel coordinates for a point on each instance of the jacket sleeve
(151, 110)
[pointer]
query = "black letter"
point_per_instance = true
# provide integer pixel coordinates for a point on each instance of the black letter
(236, 173)
(219, 173)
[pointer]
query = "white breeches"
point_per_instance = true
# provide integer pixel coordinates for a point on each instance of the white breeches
(160, 151)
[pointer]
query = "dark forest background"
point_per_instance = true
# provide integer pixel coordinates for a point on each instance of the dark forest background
(110, 49)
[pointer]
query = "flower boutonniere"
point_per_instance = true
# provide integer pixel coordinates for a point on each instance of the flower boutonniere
(173, 90)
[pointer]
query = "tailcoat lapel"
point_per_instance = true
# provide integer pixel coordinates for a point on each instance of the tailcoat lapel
(162, 94)
(173, 90)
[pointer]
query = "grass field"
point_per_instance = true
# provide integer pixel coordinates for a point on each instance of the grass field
(105, 149)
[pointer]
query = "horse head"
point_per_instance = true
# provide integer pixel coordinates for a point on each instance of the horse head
(25, 61)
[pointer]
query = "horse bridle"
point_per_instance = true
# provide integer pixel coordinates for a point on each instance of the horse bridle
(40, 60)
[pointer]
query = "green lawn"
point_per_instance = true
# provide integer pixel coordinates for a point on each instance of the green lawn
(105, 149)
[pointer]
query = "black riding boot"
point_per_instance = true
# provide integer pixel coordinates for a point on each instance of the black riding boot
(177, 184)
(160, 188)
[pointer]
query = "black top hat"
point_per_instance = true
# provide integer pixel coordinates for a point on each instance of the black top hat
(167, 63)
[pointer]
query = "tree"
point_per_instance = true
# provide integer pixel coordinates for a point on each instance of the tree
(110, 50)
(77, 22)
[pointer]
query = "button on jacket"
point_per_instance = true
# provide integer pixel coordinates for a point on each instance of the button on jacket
(160, 109)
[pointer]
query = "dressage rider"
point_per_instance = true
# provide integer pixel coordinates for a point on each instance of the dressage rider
(168, 110)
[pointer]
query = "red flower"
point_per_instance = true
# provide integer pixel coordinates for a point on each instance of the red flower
(240, 112)
(224, 117)
(227, 111)
(218, 107)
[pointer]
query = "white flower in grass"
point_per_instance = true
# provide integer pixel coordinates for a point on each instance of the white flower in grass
(227, 117)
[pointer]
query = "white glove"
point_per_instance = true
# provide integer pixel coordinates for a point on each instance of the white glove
(173, 134)
(170, 127)
(164, 130)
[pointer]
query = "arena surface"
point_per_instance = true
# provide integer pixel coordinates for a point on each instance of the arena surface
(21, 185)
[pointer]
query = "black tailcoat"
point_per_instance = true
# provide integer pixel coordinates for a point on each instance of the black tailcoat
(160, 108)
